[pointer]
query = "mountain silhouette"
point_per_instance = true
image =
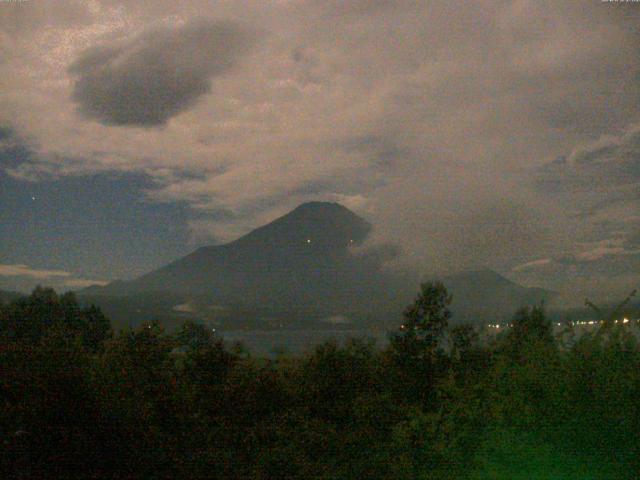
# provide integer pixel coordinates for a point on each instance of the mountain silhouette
(485, 296)
(302, 259)
(302, 266)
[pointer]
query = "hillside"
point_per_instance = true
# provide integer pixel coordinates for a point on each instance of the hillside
(299, 270)
(301, 255)
(301, 263)
(484, 296)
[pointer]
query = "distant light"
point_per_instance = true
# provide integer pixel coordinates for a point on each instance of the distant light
(33, 198)
(308, 240)
(625, 320)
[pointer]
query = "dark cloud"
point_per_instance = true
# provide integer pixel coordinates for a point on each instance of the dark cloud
(633, 241)
(148, 79)
(13, 151)
(601, 279)
(599, 183)
(383, 152)
(425, 118)
(607, 164)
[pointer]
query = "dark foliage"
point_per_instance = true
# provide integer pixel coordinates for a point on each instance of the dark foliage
(436, 403)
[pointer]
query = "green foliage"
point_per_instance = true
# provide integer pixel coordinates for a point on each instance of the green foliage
(416, 352)
(428, 316)
(518, 455)
(530, 325)
(436, 403)
(30, 318)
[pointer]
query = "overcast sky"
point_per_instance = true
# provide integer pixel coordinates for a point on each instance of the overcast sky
(503, 134)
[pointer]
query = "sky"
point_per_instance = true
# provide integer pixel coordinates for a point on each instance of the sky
(503, 134)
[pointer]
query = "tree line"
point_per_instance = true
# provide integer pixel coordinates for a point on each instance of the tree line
(437, 402)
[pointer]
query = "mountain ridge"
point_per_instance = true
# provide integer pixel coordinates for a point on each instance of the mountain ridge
(471, 289)
(302, 264)
(312, 239)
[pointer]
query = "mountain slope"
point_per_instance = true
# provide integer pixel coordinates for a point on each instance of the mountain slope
(484, 296)
(301, 259)
(300, 269)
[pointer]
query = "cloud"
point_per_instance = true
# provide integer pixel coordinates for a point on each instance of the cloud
(598, 184)
(28, 277)
(337, 320)
(609, 164)
(602, 252)
(531, 264)
(431, 119)
(633, 240)
(602, 270)
(147, 79)
(25, 271)
(83, 283)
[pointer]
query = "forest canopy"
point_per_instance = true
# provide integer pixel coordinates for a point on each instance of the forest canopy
(437, 402)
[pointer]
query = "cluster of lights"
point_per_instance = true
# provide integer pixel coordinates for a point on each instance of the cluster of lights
(585, 322)
(498, 326)
(404, 327)
(595, 322)
(309, 240)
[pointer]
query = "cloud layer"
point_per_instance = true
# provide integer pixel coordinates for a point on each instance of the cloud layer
(147, 79)
(23, 278)
(432, 120)
(24, 271)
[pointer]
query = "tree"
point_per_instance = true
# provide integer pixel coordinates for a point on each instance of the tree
(415, 352)
(428, 316)
(530, 328)
(33, 317)
(464, 339)
(96, 328)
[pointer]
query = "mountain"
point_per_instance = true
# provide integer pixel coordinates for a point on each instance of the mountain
(484, 296)
(299, 270)
(302, 262)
